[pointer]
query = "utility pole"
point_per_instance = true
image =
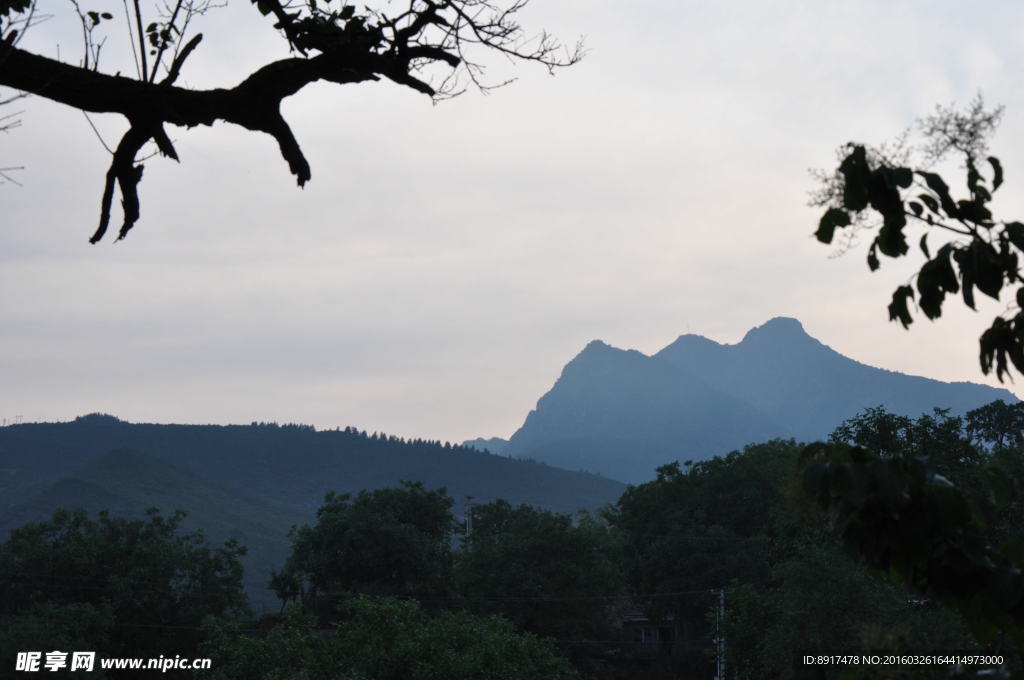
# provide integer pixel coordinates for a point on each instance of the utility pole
(720, 637)
(469, 516)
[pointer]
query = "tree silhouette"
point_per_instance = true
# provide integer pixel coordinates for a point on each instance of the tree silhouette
(892, 190)
(392, 541)
(431, 46)
(127, 586)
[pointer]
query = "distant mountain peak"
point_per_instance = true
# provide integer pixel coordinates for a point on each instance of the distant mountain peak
(779, 328)
(601, 352)
(98, 418)
(692, 340)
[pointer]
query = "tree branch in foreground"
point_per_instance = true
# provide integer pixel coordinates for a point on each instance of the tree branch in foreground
(336, 46)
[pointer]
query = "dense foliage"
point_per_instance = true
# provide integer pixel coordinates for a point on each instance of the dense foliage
(547, 573)
(119, 587)
(393, 542)
(934, 504)
(380, 638)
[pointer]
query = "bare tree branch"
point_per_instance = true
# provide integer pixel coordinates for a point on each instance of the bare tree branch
(12, 30)
(338, 45)
(127, 175)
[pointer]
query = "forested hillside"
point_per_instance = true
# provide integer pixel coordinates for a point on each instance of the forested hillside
(292, 465)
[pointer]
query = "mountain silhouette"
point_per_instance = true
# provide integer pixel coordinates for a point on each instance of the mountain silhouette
(621, 413)
(288, 465)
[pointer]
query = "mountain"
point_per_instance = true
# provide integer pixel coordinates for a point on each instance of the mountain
(796, 379)
(290, 465)
(127, 483)
(622, 413)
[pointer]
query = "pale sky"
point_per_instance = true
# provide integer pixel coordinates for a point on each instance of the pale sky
(446, 261)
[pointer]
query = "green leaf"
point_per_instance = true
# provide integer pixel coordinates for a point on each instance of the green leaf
(973, 176)
(1015, 232)
(974, 211)
(891, 240)
(936, 278)
(931, 294)
(930, 201)
(885, 198)
(944, 266)
(981, 266)
(997, 170)
(988, 269)
(833, 218)
(898, 307)
(993, 344)
(873, 258)
(857, 175)
(968, 290)
(900, 177)
(938, 185)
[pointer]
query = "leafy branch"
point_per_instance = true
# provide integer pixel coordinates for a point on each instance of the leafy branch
(871, 191)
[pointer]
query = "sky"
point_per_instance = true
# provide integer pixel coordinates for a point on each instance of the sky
(447, 260)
